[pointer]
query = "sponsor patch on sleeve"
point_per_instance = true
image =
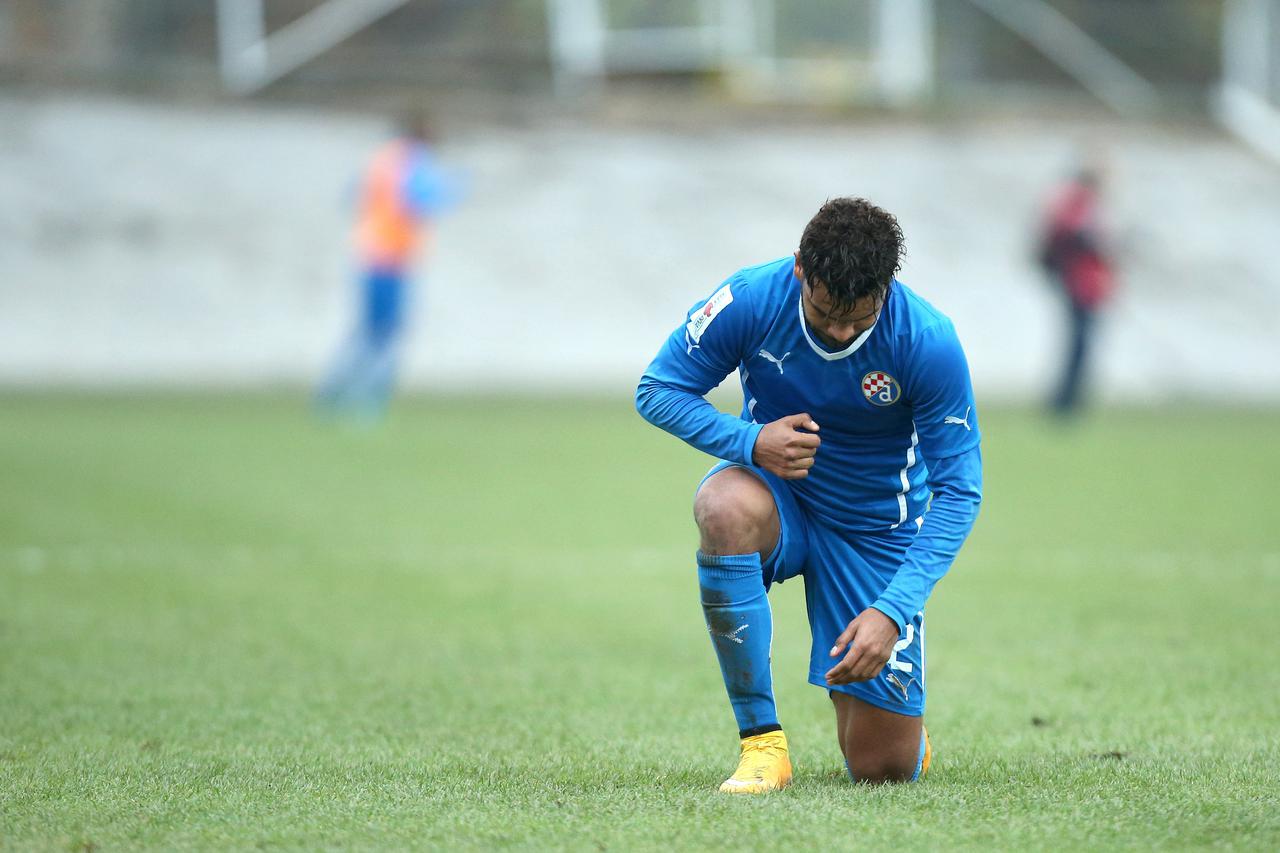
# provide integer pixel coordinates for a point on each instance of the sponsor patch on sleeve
(699, 320)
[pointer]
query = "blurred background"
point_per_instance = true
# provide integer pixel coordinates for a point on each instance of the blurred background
(177, 179)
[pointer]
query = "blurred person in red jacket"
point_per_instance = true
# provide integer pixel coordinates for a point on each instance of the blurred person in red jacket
(1074, 254)
(401, 193)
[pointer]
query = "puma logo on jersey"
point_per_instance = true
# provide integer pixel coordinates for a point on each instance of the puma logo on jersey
(768, 356)
(952, 419)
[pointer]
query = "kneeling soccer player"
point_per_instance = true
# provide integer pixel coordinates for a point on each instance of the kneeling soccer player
(855, 464)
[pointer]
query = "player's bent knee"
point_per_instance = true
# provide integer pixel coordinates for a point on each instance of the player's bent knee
(735, 514)
(879, 770)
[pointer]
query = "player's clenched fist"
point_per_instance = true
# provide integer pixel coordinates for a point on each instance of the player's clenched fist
(787, 446)
(869, 639)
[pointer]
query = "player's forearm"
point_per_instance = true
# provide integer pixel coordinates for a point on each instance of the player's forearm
(691, 418)
(957, 494)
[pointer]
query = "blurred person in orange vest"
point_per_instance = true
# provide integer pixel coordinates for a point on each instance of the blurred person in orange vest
(401, 193)
(1074, 253)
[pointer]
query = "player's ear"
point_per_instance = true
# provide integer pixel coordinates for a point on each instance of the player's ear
(799, 270)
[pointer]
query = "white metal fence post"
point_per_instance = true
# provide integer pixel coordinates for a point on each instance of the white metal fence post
(904, 63)
(1246, 103)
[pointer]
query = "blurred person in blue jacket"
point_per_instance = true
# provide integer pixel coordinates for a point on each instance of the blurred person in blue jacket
(401, 194)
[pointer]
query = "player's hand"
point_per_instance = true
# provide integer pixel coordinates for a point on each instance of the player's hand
(787, 446)
(869, 639)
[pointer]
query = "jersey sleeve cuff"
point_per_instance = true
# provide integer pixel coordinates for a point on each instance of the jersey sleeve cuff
(892, 612)
(749, 436)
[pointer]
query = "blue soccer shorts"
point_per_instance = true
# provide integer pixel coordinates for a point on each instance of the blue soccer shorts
(844, 572)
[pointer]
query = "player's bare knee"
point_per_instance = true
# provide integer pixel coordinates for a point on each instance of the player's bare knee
(727, 526)
(735, 514)
(878, 769)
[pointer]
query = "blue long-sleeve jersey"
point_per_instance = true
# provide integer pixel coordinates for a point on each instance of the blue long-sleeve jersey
(895, 411)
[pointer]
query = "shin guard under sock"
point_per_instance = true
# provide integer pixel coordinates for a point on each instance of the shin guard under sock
(741, 626)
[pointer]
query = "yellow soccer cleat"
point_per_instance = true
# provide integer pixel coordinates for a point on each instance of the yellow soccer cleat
(928, 754)
(764, 766)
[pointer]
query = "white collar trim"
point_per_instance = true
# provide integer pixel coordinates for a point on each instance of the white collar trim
(832, 356)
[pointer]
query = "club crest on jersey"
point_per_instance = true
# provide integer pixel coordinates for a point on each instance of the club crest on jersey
(880, 388)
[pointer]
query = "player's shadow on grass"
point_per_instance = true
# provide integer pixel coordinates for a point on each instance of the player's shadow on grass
(829, 779)
(836, 779)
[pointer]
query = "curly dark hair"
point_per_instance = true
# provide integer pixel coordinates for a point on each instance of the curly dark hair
(852, 248)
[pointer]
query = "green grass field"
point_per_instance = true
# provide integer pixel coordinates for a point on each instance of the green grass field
(226, 625)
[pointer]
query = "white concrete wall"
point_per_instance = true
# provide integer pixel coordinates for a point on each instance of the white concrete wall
(142, 243)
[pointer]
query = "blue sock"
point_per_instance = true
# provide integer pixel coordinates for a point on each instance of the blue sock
(915, 777)
(741, 626)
